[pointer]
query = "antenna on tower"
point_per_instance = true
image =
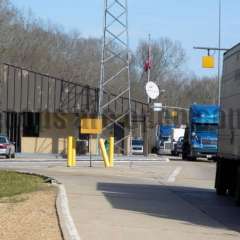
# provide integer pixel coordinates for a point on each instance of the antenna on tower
(114, 85)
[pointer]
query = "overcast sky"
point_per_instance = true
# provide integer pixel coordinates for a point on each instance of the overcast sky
(192, 22)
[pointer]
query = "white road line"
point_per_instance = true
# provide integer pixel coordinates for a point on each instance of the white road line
(172, 177)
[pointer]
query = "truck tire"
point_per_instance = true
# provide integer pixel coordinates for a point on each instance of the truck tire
(232, 179)
(220, 182)
(184, 156)
(237, 194)
(193, 159)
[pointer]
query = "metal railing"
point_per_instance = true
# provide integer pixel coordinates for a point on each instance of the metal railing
(23, 90)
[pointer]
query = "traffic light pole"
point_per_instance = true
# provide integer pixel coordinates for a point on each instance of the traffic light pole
(219, 49)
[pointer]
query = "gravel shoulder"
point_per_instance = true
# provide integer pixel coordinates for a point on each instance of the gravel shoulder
(30, 216)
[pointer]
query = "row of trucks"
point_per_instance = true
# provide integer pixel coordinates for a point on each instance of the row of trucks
(198, 139)
(214, 131)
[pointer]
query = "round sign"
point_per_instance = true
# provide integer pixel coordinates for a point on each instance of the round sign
(152, 90)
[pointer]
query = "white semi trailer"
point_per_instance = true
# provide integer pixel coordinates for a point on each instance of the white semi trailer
(228, 163)
(175, 135)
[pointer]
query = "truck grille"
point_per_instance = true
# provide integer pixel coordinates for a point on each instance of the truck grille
(137, 148)
(167, 145)
(209, 141)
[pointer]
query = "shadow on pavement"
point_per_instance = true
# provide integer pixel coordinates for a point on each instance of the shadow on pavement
(189, 205)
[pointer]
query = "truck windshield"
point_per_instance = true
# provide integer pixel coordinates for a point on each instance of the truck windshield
(205, 127)
(137, 142)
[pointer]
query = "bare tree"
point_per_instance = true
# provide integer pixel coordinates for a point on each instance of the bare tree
(43, 46)
(167, 58)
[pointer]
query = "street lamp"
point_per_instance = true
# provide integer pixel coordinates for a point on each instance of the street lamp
(219, 52)
(219, 49)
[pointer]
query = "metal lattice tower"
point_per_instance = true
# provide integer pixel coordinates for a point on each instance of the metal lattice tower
(115, 88)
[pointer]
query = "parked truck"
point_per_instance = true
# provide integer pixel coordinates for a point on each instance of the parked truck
(201, 135)
(228, 162)
(175, 135)
(163, 138)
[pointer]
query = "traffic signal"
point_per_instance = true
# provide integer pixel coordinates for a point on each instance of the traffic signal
(208, 62)
(174, 114)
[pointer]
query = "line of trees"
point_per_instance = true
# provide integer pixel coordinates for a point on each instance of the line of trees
(29, 42)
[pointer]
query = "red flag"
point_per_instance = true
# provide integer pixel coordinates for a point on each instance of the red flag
(147, 65)
(148, 62)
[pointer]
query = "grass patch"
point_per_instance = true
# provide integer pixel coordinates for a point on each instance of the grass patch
(13, 183)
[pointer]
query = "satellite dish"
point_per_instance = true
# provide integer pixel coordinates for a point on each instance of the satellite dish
(152, 90)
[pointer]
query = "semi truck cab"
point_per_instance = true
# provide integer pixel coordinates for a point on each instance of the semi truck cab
(163, 138)
(201, 136)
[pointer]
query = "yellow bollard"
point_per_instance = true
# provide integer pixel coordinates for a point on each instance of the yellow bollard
(74, 163)
(104, 152)
(70, 151)
(111, 151)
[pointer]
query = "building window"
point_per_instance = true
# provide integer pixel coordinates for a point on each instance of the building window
(31, 123)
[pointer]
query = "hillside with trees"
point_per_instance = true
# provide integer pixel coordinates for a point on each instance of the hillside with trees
(29, 42)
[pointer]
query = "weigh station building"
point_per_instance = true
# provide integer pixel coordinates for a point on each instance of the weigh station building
(39, 112)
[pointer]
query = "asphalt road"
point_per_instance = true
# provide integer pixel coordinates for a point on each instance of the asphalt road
(138, 199)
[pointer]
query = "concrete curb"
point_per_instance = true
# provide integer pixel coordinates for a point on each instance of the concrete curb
(67, 225)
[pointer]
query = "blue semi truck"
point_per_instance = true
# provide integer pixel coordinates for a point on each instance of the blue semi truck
(163, 138)
(201, 135)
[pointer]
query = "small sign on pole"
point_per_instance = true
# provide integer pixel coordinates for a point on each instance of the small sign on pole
(91, 125)
(152, 90)
(157, 107)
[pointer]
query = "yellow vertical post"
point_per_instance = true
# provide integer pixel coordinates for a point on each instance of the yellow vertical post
(74, 163)
(70, 151)
(111, 151)
(104, 152)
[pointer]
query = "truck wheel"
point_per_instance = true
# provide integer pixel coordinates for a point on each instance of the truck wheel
(237, 195)
(184, 156)
(220, 182)
(193, 159)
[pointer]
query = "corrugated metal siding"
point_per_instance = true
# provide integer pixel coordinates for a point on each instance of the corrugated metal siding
(229, 135)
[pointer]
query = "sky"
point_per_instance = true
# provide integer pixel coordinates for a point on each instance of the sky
(192, 22)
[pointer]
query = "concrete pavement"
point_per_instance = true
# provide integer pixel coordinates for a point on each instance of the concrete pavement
(137, 201)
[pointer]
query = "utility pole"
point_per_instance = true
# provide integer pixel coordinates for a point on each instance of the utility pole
(149, 63)
(147, 68)
(115, 50)
(219, 49)
(219, 52)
